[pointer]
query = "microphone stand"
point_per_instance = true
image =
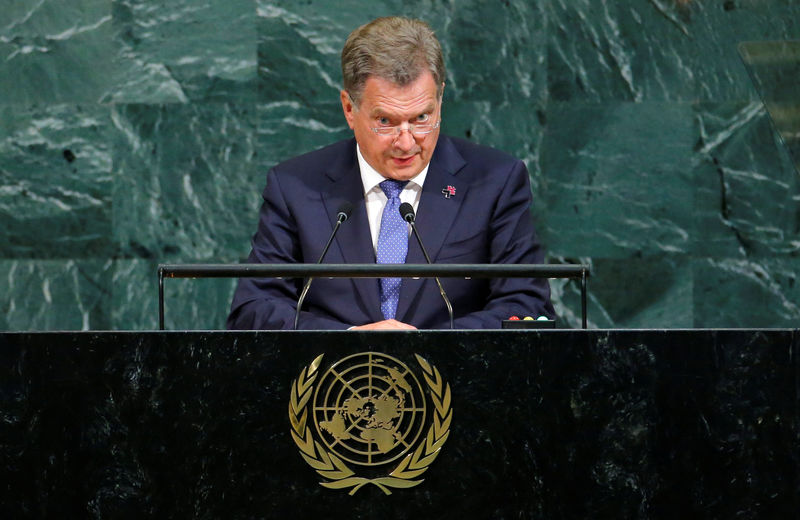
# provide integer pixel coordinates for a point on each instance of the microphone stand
(344, 213)
(407, 211)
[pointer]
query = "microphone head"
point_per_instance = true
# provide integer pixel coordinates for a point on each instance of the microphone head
(344, 211)
(407, 212)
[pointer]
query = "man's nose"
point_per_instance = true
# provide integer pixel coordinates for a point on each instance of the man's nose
(405, 139)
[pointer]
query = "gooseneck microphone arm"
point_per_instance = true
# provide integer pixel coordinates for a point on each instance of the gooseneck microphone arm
(407, 212)
(343, 214)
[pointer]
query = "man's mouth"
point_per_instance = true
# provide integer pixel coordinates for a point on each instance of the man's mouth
(403, 161)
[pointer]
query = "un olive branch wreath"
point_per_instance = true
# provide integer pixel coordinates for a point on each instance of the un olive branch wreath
(335, 470)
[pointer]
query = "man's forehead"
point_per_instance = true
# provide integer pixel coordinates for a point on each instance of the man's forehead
(424, 80)
(382, 95)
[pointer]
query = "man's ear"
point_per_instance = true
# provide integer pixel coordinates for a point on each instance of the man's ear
(347, 107)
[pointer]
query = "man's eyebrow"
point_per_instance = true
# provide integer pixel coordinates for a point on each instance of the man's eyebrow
(378, 111)
(430, 108)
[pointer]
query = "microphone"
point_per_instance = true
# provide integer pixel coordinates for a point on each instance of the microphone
(341, 216)
(407, 212)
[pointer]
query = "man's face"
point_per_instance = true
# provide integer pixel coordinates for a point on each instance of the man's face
(383, 103)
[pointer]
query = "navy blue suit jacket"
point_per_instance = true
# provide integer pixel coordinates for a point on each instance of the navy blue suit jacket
(486, 221)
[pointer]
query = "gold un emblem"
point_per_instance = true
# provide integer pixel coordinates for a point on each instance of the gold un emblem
(366, 421)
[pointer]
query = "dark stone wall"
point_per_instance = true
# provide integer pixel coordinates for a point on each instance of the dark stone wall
(134, 132)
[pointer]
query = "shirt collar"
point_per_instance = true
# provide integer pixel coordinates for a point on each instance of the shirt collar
(370, 178)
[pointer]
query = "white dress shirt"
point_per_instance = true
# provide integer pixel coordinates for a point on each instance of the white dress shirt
(375, 198)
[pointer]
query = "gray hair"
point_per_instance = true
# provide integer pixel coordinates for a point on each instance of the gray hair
(392, 48)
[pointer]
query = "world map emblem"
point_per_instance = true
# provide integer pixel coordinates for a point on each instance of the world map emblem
(367, 420)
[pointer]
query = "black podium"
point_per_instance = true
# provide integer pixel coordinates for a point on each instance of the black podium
(543, 424)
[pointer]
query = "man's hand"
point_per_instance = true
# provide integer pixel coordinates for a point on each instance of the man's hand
(385, 325)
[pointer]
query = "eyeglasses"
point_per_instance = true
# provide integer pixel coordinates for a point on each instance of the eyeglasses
(419, 129)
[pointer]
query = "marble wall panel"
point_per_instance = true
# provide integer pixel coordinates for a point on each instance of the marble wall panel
(617, 179)
(774, 67)
(747, 191)
(290, 128)
(55, 294)
(299, 48)
(134, 294)
(495, 53)
(751, 292)
(508, 128)
(647, 292)
(189, 304)
(197, 304)
(55, 181)
(658, 50)
(55, 52)
(565, 295)
(185, 50)
(184, 180)
(719, 27)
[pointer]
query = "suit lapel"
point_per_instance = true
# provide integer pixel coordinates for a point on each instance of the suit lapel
(353, 238)
(436, 215)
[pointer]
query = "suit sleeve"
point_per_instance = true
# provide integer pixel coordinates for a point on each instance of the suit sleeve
(269, 304)
(512, 240)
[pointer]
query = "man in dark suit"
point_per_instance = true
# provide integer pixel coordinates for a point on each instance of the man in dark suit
(472, 205)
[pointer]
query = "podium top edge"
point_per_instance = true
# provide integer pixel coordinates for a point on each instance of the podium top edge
(373, 270)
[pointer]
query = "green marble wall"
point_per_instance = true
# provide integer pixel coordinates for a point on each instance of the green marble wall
(134, 132)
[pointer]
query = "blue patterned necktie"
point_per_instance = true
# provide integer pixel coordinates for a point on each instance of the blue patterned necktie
(392, 245)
